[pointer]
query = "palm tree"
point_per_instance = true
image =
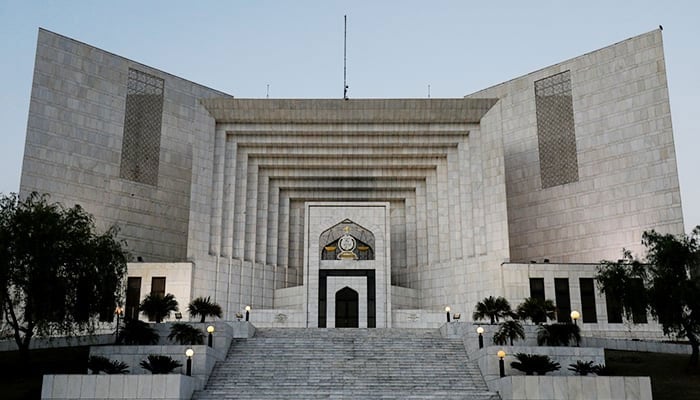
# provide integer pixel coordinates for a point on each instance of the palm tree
(509, 331)
(138, 332)
(157, 307)
(159, 364)
(494, 308)
(536, 310)
(186, 334)
(204, 307)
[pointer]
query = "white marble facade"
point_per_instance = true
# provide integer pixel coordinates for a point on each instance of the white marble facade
(452, 188)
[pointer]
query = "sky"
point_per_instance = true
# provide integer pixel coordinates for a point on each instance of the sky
(395, 49)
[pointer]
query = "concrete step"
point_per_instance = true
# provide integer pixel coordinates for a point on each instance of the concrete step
(346, 364)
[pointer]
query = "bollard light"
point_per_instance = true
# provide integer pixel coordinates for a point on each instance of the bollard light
(189, 353)
(447, 311)
(247, 313)
(501, 364)
(210, 330)
(480, 331)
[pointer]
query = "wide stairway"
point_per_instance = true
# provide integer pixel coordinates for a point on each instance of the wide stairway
(346, 364)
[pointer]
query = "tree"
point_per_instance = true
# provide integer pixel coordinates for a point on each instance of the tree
(494, 308)
(159, 364)
(138, 332)
(667, 285)
(509, 331)
(558, 335)
(204, 307)
(156, 307)
(57, 275)
(186, 334)
(532, 364)
(536, 310)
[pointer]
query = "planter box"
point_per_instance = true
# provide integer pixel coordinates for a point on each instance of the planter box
(117, 387)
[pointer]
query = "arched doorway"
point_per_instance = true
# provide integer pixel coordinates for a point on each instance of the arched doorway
(346, 308)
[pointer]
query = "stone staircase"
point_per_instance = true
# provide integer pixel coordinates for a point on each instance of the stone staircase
(346, 364)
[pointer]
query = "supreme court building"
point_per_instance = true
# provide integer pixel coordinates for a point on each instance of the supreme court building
(362, 212)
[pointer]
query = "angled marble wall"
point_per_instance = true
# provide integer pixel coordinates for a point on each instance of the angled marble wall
(74, 144)
(627, 179)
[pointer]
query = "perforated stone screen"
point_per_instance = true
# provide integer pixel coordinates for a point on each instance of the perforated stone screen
(142, 128)
(555, 130)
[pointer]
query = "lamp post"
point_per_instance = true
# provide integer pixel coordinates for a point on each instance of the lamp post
(118, 311)
(575, 315)
(501, 365)
(189, 353)
(480, 331)
(210, 329)
(447, 311)
(247, 313)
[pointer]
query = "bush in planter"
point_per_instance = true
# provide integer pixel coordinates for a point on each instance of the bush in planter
(186, 334)
(582, 368)
(493, 308)
(602, 370)
(158, 364)
(536, 310)
(97, 364)
(558, 334)
(534, 364)
(156, 306)
(138, 332)
(509, 331)
(204, 307)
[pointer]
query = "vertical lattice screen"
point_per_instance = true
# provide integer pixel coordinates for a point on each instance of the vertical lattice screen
(555, 130)
(142, 126)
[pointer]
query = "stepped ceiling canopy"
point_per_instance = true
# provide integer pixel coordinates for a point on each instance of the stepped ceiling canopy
(226, 110)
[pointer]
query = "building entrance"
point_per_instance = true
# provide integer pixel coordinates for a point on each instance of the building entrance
(346, 308)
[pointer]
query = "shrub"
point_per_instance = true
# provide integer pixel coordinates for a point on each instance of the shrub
(534, 364)
(582, 368)
(558, 334)
(509, 331)
(186, 334)
(158, 364)
(138, 332)
(204, 307)
(157, 307)
(536, 310)
(601, 370)
(97, 364)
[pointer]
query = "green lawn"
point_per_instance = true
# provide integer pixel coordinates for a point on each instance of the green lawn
(671, 379)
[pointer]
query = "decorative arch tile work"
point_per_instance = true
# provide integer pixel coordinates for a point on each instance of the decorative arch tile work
(347, 240)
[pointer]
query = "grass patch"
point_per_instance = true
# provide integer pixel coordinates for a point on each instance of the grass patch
(671, 378)
(21, 379)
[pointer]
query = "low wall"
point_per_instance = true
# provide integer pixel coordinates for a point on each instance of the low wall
(59, 341)
(221, 338)
(202, 362)
(417, 319)
(117, 387)
(574, 387)
(277, 318)
(637, 345)
(487, 359)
